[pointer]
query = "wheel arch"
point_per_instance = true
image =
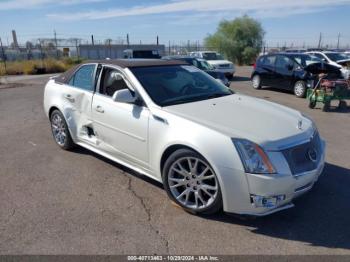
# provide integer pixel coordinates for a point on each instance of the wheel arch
(171, 149)
(52, 108)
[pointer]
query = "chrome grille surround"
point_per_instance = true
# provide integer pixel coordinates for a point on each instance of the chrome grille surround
(304, 157)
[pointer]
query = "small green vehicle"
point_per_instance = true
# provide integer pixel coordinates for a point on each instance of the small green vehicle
(327, 90)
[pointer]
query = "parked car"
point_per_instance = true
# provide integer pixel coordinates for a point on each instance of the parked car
(210, 147)
(217, 61)
(337, 59)
(290, 71)
(203, 65)
(143, 54)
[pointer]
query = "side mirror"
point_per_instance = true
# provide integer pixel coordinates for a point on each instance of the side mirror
(124, 96)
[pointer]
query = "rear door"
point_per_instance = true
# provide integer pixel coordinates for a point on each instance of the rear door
(77, 97)
(267, 69)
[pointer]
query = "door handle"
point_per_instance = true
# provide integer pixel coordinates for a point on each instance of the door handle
(99, 109)
(69, 98)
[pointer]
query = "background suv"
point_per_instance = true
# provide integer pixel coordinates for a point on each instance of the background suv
(290, 71)
(217, 61)
(202, 65)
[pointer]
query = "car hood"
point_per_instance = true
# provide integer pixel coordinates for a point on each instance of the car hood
(268, 124)
(345, 62)
(318, 68)
(218, 62)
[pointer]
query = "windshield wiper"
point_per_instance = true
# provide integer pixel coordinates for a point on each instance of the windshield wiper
(216, 95)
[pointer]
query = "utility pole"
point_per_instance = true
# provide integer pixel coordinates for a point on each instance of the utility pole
(3, 56)
(55, 37)
(320, 41)
(157, 40)
(92, 40)
(127, 40)
(338, 41)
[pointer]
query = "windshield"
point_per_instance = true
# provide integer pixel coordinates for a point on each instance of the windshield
(305, 60)
(171, 85)
(337, 56)
(212, 56)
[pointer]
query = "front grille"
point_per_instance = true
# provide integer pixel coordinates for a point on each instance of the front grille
(224, 65)
(304, 157)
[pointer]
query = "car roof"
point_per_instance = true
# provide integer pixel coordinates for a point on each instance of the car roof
(130, 63)
(123, 63)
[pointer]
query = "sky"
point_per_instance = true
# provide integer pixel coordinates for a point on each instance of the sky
(291, 22)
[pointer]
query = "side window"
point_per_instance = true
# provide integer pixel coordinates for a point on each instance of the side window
(84, 78)
(269, 60)
(282, 62)
(111, 81)
(319, 56)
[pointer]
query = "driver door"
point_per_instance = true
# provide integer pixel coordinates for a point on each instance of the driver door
(121, 129)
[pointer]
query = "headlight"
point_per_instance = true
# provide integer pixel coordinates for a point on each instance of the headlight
(253, 157)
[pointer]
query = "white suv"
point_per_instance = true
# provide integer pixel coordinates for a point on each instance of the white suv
(217, 61)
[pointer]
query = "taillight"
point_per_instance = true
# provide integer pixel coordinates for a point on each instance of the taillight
(254, 65)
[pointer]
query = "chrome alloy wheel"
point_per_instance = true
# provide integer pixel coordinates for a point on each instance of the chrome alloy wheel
(58, 129)
(299, 89)
(193, 183)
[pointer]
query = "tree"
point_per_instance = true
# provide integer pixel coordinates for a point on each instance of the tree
(240, 39)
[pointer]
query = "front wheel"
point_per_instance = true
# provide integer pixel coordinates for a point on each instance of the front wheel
(312, 104)
(191, 183)
(300, 89)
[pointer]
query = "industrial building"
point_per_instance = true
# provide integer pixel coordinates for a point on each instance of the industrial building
(114, 51)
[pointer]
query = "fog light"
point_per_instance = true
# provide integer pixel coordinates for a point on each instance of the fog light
(268, 202)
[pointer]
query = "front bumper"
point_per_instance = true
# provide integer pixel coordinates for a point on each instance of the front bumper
(270, 186)
(226, 71)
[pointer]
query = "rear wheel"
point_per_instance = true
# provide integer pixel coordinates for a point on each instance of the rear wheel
(312, 104)
(256, 81)
(60, 130)
(300, 89)
(191, 183)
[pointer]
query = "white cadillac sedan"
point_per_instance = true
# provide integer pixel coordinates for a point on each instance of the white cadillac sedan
(211, 148)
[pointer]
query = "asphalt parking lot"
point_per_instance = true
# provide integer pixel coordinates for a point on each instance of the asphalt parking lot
(58, 202)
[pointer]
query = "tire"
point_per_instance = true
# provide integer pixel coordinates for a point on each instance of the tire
(60, 131)
(342, 105)
(197, 191)
(312, 104)
(300, 89)
(326, 106)
(256, 82)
